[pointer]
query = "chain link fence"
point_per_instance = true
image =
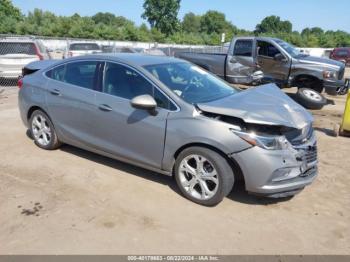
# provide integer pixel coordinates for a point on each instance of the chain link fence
(17, 51)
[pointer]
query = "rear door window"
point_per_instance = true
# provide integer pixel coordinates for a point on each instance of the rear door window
(81, 74)
(243, 48)
(267, 49)
(7, 48)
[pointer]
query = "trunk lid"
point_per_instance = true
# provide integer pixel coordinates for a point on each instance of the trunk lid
(15, 62)
(38, 65)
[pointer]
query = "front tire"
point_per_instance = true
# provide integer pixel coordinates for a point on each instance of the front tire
(203, 176)
(43, 131)
(310, 99)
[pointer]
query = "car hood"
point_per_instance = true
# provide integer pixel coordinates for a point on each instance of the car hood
(265, 104)
(325, 62)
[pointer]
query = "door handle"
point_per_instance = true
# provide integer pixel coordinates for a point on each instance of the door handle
(55, 92)
(105, 108)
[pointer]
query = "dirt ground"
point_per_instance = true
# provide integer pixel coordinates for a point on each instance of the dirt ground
(70, 201)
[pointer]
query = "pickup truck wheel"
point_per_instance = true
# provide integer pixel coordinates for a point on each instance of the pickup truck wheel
(203, 176)
(309, 82)
(310, 99)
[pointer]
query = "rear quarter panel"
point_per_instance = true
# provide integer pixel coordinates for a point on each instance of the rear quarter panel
(32, 93)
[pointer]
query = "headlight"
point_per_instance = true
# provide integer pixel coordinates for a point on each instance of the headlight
(266, 142)
(329, 74)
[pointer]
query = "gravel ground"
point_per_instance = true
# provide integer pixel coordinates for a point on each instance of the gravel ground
(70, 201)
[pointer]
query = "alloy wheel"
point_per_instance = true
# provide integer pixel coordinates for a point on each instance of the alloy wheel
(41, 130)
(198, 177)
(313, 95)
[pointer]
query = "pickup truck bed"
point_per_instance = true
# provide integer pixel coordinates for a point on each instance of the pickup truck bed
(213, 62)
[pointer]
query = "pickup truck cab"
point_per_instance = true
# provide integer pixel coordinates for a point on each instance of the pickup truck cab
(280, 62)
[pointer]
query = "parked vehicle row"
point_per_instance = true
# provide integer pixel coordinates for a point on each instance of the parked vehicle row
(172, 117)
(86, 48)
(280, 62)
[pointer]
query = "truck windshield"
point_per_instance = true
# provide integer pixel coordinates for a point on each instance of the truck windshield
(190, 82)
(290, 49)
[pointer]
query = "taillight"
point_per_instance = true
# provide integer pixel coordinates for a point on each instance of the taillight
(20, 82)
(40, 56)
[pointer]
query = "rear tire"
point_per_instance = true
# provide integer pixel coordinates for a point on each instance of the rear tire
(43, 131)
(310, 99)
(203, 175)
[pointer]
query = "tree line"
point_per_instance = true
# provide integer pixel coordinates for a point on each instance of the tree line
(164, 26)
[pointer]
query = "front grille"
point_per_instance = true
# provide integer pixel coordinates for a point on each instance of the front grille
(308, 153)
(309, 172)
(311, 154)
(341, 73)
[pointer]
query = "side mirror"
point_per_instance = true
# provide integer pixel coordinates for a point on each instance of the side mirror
(144, 102)
(279, 57)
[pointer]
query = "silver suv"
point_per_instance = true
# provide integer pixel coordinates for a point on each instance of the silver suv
(15, 53)
(172, 117)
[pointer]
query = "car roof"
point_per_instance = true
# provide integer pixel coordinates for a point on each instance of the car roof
(342, 48)
(258, 38)
(82, 43)
(268, 38)
(134, 58)
(17, 40)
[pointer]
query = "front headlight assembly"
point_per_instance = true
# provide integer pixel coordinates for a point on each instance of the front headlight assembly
(265, 142)
(329, 74)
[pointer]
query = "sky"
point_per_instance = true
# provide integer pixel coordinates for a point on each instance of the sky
(244, 14)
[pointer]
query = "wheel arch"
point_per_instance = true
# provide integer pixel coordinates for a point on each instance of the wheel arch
(34, 108)
(306, 75)
(237, 171)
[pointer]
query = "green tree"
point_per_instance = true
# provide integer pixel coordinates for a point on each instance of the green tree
(191, 23)
(144, 33)
(162, 15)
(9, 17)
(213, 22)
(8, 9)
(273, 24)
(104, 18)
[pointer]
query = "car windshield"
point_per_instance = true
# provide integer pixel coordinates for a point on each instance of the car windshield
(84, 46)
(290, 49)
(190, 82)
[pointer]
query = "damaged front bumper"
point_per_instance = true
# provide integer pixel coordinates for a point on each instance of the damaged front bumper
(278, 173)
(332, 87)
